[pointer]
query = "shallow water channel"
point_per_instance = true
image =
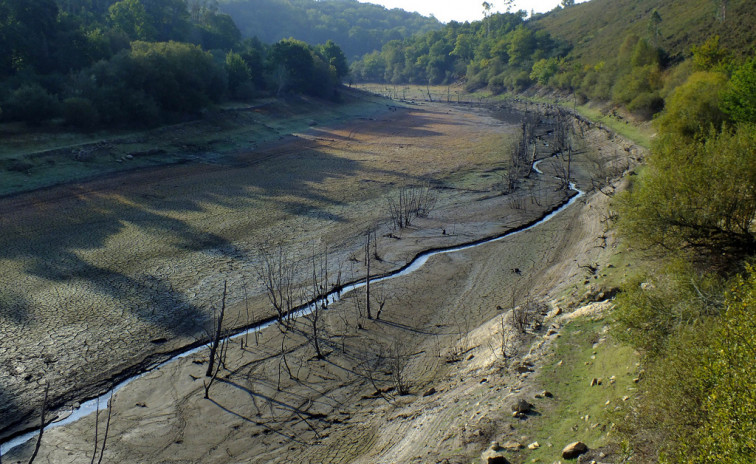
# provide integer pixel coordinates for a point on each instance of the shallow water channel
(100, 403)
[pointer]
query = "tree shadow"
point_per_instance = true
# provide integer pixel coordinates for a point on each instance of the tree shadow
(77, 237)
(9, 408)
(14, 308)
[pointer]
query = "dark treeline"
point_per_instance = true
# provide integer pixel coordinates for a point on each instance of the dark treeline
(104, 62)
(358, 27)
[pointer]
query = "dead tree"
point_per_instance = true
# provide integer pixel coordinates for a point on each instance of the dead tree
(218, 333)
(318, 295)
(410, 203)
(107, 429)
(277, 272)
(41, 425)
(398, 365)
(218, 348)
(381, 298)
(563, 170)
(367, 276)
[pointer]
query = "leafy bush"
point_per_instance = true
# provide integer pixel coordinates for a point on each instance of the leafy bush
(699, 392)
(728, 434)
(32, 104)
(694, 106)
(646, 104)
(696, 196)
(652, 307)
(80, 113)
(739, 100)
(544, 69)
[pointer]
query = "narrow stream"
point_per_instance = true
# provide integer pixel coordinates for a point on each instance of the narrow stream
(91, 406)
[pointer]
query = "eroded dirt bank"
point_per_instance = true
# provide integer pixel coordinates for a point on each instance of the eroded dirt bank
(437, 323)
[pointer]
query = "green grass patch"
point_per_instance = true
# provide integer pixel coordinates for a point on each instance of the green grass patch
(578, 410)
(640, 134)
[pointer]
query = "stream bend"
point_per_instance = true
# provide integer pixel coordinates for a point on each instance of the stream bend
(101, 402)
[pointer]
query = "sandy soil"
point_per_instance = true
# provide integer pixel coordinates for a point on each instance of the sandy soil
(440, 327)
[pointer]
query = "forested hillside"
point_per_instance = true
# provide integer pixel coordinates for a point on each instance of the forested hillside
(358, 27)
(105, 63)
(632, 53)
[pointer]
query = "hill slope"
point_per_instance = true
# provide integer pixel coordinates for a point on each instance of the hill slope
(597, 28)
(358, 28)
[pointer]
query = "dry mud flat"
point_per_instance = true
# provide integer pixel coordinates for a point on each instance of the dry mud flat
(327, 186)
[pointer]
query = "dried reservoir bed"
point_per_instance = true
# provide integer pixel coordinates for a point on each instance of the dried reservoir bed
(100, 277)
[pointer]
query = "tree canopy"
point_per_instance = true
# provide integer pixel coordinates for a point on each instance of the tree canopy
(143, 61)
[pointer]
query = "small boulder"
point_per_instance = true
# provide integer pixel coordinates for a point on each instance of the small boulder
(494, 455)
(431, 391)
(573, 450)
(534, 445)
(512, 446)
(521, 406)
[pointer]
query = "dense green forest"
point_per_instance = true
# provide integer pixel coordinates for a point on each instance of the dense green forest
(105, 62)
(358, 27)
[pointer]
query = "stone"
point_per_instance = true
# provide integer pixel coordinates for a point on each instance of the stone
(512, 446)
(521, 406)
(430, 391)
(573, 450)
(494, 455)
(534, 445)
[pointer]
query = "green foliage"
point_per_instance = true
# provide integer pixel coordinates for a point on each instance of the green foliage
(521, 44)
(130, 18)
(80, 113)
(696, 195)
(498, 52)
(597, 28)
(335, 57)
(544, 69)
(32, 104)
(694, 106)
(653, 306)
(238, 72)
(359, 28)
(178, 76)
(292, 65)
(644, 55)
(728, 434)
(27, 35)
(699, 389)
(739, 100)
(217, 32)
(710, 55)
